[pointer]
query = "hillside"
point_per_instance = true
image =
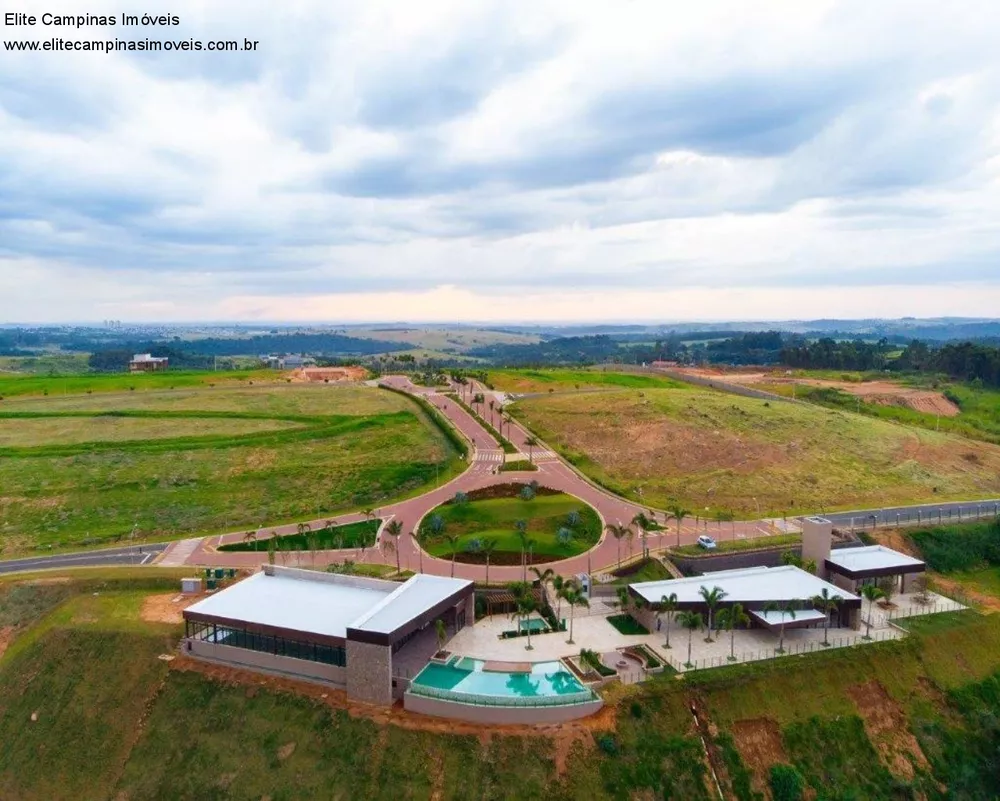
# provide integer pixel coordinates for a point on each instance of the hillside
(721, 451)
(90, 711)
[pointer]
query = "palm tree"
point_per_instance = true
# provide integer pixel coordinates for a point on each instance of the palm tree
(668, 604)
(507, 419)
(251, 535)
(487, 547)
(419, 546)
(678, 513)
(490, 404)
(691, 621)
(826, 604)
(712, 598)
(640, 521)
(521, 530)
(572, 594)
(524, 606)
(558, 582)
(617, 530)
(543, 577)
(531, 442)
(871, 593)
(453, 544)
(312, 542)
(624, 599)
(394, 529)
(731, 619)
(785, 608)
(272, 547)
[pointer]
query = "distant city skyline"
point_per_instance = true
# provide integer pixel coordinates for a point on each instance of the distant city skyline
(508, 162)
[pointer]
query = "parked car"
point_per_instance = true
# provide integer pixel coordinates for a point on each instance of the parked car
(706, 542)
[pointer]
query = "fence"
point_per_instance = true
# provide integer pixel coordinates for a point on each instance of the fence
(918, 517)
(503, 700)
(939, 604)
(813, 646)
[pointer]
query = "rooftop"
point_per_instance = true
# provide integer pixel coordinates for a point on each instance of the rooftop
(324, 603)
(871, 557)
(746, 585)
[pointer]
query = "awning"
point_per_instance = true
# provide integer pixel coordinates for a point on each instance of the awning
(773, 620)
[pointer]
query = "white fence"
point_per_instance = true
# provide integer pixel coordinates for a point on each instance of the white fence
(811, 647)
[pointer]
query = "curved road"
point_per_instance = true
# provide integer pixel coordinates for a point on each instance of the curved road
(482, 471)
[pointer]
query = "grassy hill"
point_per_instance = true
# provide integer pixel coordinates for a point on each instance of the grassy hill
(82, 470)
(89, 711)
(710, 449)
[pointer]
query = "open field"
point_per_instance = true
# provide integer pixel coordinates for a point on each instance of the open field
(449, 341)
(247, 457)
(495, 518)
(14, 385)
(563, 380)
(721, 451)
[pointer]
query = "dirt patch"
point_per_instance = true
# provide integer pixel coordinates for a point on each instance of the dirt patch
(896, 539)
(6, 638)
(327, 375)
(286, 751)
(759, 743)
(885, 724)
(166, 608)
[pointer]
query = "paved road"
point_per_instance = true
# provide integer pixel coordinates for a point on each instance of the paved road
(132, 555)
(482, 471)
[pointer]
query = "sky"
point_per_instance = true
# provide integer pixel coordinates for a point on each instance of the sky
(505, 162)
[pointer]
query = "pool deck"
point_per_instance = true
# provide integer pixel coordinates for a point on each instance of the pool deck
(494, 666)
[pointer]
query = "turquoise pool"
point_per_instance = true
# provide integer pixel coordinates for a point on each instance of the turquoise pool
(463, 679)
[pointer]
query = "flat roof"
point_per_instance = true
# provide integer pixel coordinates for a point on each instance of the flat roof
(745, 585)
(871, 557)
(327, 604)
(408, 601)
(774, 618)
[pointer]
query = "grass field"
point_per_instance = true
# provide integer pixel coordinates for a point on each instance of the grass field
(898, 720)
(217, 459)
(48, 385)
(562, 380)
(721, 451)
(980, 408)
(495, 518)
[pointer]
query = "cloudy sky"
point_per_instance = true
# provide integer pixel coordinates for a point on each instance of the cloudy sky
(512, 161)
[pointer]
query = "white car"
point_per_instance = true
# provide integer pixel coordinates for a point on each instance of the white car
(706, 542)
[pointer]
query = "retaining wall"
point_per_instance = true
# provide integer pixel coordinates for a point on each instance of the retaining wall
(527, 715)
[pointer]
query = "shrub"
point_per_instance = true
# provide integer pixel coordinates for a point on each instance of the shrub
(606, 742)
(636, 709)
(527, 493)
(787, 783)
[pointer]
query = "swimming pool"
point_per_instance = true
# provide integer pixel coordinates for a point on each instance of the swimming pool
(464, 679)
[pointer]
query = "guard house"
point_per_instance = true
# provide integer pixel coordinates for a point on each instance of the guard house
(851, 568)
(343, 630)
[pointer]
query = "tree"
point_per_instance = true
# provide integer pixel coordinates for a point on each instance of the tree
(712, 598)
(442, 633)
(491, 404)
(524, 605)
(573, 595)
(272, 547)
(691, 621)
(668, 604)
(251, 535)
(731, 619)
(871, 593)
(487, 547)
(558, 582)
(543, 576)
(826, 604)
(617, 530)
(312, 541)
(678, 513)
(624, 599)
(453, 544)
(418, 544)
(531, 442)
(641, 522)
(394, 529)
(785, 608)
(521, 531)
(922, 585)
(888, 586)
(369, 514)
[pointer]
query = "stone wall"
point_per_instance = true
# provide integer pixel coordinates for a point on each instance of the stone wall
(271, 663)
(369, 672)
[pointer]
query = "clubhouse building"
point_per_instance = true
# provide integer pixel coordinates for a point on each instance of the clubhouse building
(341, 630)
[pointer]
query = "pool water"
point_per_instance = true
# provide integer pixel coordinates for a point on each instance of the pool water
(466, 676)
(536, 624)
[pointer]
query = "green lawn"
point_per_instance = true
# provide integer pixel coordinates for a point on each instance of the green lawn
(735, 455)
(561, 380)
(49, 385)
(495, 518)
(649, 570)
(730, 546)
(350, 535)
(218, 460)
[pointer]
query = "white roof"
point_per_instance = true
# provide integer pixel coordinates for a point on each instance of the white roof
(412, 598)
(324, 603)
(774, 618)
(746, 585)
(871, 557)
